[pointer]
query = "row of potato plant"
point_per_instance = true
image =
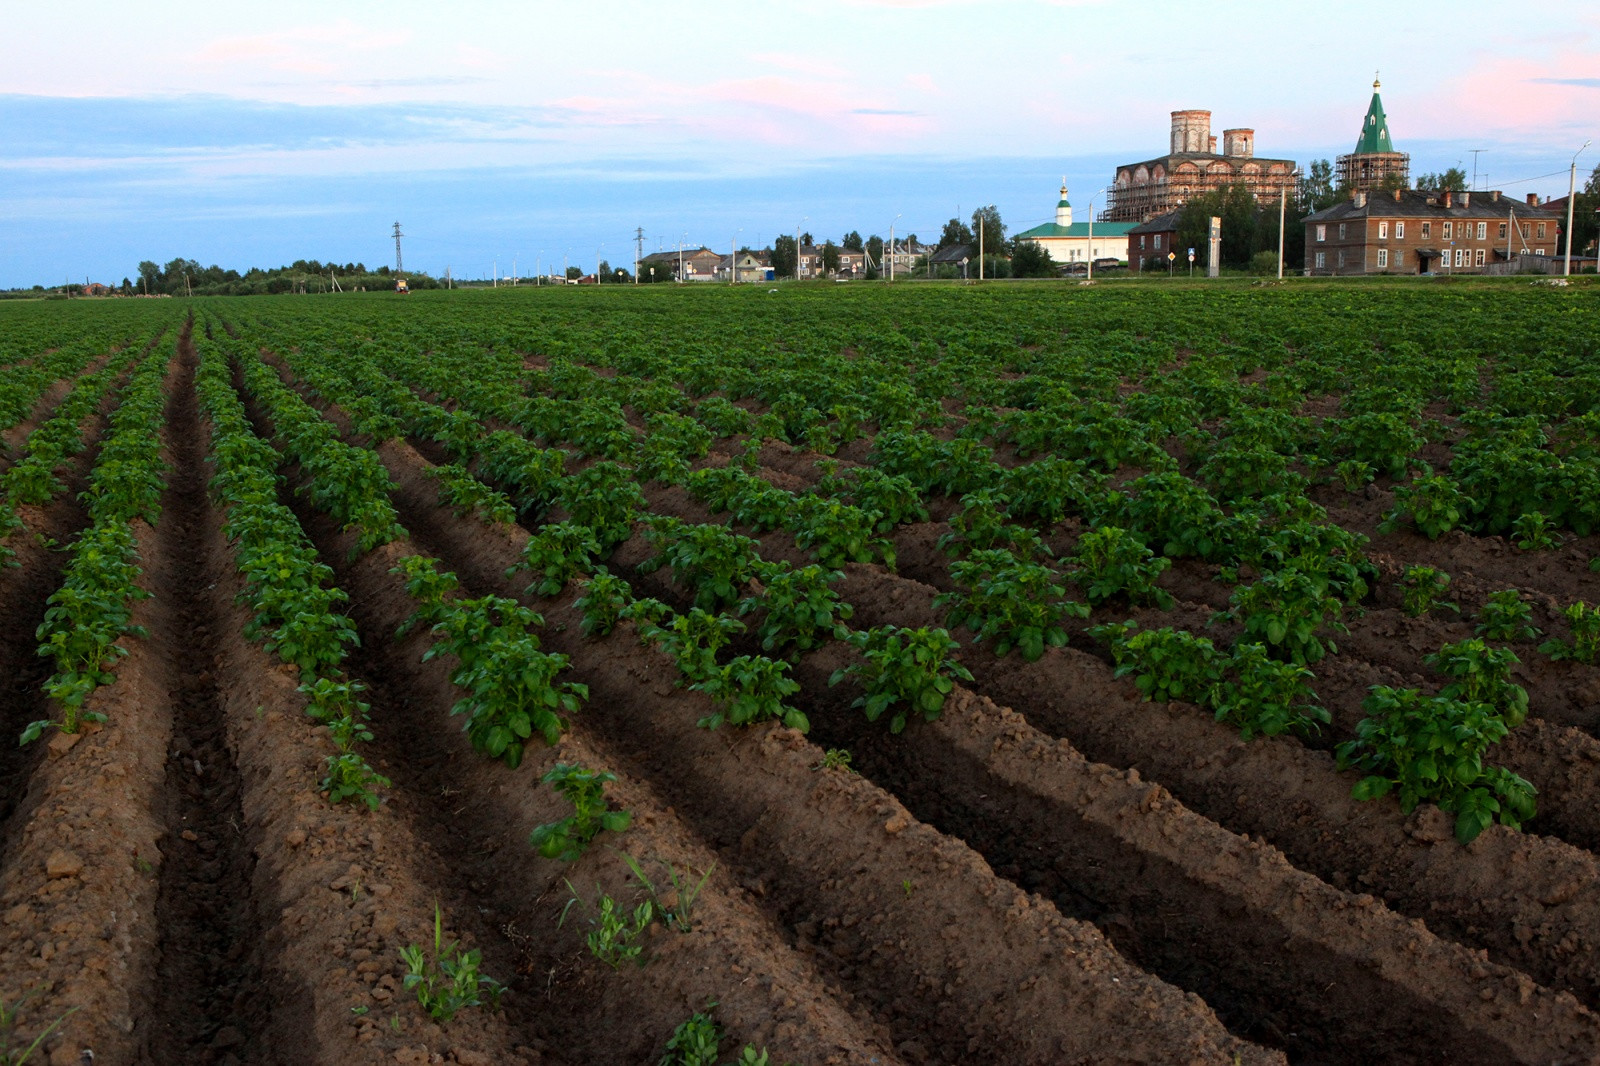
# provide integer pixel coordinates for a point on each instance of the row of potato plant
(295, 606)
(87, 618)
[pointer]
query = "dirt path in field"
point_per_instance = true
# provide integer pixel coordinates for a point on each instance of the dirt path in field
(207, 994)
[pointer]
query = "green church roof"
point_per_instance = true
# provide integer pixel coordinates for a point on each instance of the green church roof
(1077, 229)
(1375, 130)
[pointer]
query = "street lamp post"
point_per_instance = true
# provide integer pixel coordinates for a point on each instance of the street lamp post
(797, 231)
(1090, 275)
(1572, 189)
(890, 256)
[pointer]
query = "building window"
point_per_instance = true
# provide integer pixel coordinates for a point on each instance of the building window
(1502, 231)
(1339, 261)
(1483, 230)
(1141, 241)
(1341, 231)
(1541, 230)
(1158, 242)
(1383, 258)
(1383, 231)
(1427, 230)
(1477, 258)
(1448, 226)
(1322, 260)
(1459, 253)
(1399, 258)
(1538, 251)
(1322, 233)
(1399, 230)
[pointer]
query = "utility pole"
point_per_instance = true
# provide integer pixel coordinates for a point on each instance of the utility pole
(638, 251)
(398, 268)
(1283, 203)
(1089, 274)
(496, 274)
(513, 272)
(1475, 152)
(980, 244)
(1572, 188)
(891, 247)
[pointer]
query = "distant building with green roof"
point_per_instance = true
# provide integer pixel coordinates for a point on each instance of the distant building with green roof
(1066, 241)
(1374, 164)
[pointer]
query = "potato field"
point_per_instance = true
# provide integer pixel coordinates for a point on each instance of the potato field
(838, 674)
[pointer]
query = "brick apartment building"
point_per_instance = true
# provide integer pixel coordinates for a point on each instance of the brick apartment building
(1152, 240)
(1411, 231)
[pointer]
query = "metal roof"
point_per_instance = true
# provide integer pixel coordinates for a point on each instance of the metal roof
(1375, 129)
(1077, 229)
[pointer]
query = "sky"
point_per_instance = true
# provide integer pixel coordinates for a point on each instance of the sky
(524, 135)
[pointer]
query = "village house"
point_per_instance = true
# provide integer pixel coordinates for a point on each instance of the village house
(698, 264)
(1068, 242)
(1151, 242)
(752, 266)
(1411, 231)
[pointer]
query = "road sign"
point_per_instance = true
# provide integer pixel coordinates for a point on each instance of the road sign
(1172, 255)
(1191, 255)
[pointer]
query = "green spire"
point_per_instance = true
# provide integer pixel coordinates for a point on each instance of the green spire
(1375, 130)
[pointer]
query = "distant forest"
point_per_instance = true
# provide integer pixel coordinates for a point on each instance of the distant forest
(185, 276)
(303, 275)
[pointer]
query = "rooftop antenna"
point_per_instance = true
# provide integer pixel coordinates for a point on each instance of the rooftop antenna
(398, 269)
(1475, 152)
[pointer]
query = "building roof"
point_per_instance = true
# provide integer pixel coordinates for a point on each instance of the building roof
(672, 255)
(953, 253)
(1375, 128)
(1077, 229)
(1173, 158)
(1167, 223)
(1419, 203)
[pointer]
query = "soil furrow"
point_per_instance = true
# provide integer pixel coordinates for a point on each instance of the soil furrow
(207, 1004)
(82, 864)
(1533, 901)
(817, 873)
(766, 993)
(1284, 958)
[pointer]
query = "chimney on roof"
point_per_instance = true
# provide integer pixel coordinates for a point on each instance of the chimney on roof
(1466, 198)
(1533, 199)
(1361, 198)
(1397, 196)
(1495, 196)
(1449, 197)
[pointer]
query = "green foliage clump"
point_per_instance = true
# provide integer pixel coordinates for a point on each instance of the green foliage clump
(910, 670)
(1112, 562)
(1422, 589)
(567, 839)
(1584, 622)
(1016, 604)
(1431, 748)
(1506, 616)
(751, 689)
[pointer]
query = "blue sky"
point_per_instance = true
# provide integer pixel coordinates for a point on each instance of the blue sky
(256, 135)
